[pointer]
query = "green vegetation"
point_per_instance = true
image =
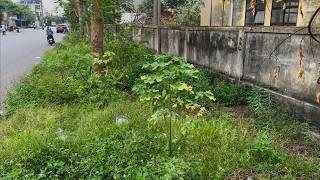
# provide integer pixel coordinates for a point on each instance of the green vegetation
(19, 10)
(166, 87)
(65, 122)
(258, 100)
(56, 19)
(230, 93)
(188, 14)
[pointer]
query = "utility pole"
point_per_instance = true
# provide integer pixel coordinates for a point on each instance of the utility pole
(156, 22)
(156, 12)
(42, 15)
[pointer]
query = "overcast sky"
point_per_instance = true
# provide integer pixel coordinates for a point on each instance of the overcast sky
(49, 5)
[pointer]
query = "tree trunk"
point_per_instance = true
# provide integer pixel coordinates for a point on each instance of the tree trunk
(97, 35)
(80, 6)
(77, 11)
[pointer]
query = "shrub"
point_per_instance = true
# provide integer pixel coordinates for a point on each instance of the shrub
(230, 94)
(166, 88)
(258, 100)
(130, 58)
(166, 85)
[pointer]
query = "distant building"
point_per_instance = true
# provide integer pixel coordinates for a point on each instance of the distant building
(258, 12)
(36, 7)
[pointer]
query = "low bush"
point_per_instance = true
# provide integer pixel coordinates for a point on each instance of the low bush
(130, 58)
(258, 100)
(230, 94)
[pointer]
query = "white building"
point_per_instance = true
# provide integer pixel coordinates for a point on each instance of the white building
(37, 8)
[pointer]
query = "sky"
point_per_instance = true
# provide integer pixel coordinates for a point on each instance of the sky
(49, 5)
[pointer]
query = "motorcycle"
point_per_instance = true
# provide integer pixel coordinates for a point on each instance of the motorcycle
(50, 40)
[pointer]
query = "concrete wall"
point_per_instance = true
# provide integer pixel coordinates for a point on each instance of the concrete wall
(244, 54)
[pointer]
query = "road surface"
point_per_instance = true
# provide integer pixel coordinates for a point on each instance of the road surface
(19, 52)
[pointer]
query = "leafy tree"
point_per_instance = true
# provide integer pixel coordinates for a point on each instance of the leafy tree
(147, 5)
(88, 17)
(19, 10)
(78, 13)
(127, 5)
(188, 14)
(57, 19)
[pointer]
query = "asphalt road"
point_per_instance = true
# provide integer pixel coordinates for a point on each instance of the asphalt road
(19, 52)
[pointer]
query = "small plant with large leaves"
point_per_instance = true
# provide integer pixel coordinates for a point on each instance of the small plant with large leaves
(166, 86)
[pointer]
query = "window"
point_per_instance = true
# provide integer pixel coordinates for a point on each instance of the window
(255, 12)
(284, 12)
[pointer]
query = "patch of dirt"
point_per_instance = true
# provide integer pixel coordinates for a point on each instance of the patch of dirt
(297, 149)
(239, 112)
(242, 175)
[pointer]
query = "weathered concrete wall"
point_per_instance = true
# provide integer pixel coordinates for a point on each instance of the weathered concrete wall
(216, 49)
(244, 53)
(259, 67)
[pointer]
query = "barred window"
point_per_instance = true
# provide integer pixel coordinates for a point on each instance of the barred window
(284, 12)
(255, 10)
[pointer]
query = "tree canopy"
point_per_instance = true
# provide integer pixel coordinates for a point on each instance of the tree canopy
(77, 12)
(19, 10)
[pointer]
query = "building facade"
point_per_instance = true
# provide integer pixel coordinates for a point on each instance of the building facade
(37, 8)
(258, 12)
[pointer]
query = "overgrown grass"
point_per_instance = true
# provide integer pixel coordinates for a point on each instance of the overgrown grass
(94, 145)
(63, 122)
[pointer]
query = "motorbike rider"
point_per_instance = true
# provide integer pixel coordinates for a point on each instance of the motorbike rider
(49, 33)
(3, 29)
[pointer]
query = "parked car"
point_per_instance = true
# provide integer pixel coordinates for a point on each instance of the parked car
(62, 28)
(32, 26)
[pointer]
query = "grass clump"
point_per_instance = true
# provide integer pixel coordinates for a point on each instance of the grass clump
(230, 94)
